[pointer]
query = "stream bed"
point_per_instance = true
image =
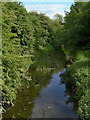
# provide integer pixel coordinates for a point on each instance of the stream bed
(44, 96)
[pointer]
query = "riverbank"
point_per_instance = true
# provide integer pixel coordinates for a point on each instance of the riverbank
(77, 75)
(23, 34)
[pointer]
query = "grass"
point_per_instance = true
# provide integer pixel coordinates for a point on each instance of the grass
(78, 76)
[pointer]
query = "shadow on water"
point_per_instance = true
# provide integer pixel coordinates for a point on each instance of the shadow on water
(44, 96)
(24, 103)
(70, 93)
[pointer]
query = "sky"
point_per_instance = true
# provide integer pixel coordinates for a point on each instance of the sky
(48, 7)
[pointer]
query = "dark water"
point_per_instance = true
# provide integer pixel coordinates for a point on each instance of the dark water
(44, 96)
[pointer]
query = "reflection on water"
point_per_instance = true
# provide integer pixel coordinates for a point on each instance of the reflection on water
(51, 102)
(44, 97)
(70, 92)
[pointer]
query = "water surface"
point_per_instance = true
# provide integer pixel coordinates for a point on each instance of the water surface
(44, 96)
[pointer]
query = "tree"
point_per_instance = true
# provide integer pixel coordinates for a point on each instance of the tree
(58, 17)
(76, 25)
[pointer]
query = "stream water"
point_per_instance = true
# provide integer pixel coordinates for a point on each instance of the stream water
(44, 96)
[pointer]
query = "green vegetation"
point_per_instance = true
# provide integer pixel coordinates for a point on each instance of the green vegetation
(78, 76)
(28, 36)
(23, 34)
(15, 35)
(76, 43)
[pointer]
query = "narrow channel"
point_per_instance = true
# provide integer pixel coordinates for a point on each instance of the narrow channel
(45, 96)
(51, 102)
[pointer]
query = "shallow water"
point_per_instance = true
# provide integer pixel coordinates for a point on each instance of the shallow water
(51, 102)
(44, 97)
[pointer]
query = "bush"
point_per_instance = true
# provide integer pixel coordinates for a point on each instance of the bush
(78, 77)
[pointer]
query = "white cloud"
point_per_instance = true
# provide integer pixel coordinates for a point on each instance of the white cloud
(49, 10)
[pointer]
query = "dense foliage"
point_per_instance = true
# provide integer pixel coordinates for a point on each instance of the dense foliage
(16, 44)
(76, 43)
(76, 26)
(78, 76)
(25, 35)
